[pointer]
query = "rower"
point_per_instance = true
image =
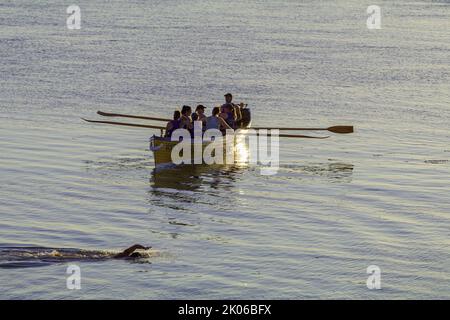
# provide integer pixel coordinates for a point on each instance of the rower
(186, 121)
(230, 111)
(200, 114)
(216, 122)
(227, 113)
(174, 124)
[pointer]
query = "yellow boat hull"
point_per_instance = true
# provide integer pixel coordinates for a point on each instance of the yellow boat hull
(162, 152)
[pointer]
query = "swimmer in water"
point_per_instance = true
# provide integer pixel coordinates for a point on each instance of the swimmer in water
(54, 255)
(131, 252)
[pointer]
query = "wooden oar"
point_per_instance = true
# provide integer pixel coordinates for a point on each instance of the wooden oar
(107, 114)
(162, 128)
(300, 136)
(286, 135)
(126, 124)
(335, 129)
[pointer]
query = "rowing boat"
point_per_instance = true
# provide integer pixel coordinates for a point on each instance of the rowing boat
(162, 147)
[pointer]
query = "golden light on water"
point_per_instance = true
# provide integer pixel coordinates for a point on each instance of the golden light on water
(242, 152)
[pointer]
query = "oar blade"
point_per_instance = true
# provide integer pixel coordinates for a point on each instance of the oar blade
(341, 129)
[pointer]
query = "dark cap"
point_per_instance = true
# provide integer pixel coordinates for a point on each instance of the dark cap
(200, 106)
(228, 95)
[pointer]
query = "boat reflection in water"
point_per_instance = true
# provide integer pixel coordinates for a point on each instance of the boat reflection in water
(201, 183)
(195, 177)
(192, 176)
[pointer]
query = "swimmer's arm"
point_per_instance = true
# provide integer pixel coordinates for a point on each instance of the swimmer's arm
(127, 252)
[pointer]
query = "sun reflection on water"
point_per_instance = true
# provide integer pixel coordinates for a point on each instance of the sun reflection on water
(241, 150)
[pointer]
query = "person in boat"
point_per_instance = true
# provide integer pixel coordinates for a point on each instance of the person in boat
(216, 122)
(186, 120)
(227, 113)
(199, 115)
(131, 252)
(174, 124)
(231, 112)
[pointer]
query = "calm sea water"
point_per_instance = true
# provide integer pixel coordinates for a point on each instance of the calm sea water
(377, 197)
